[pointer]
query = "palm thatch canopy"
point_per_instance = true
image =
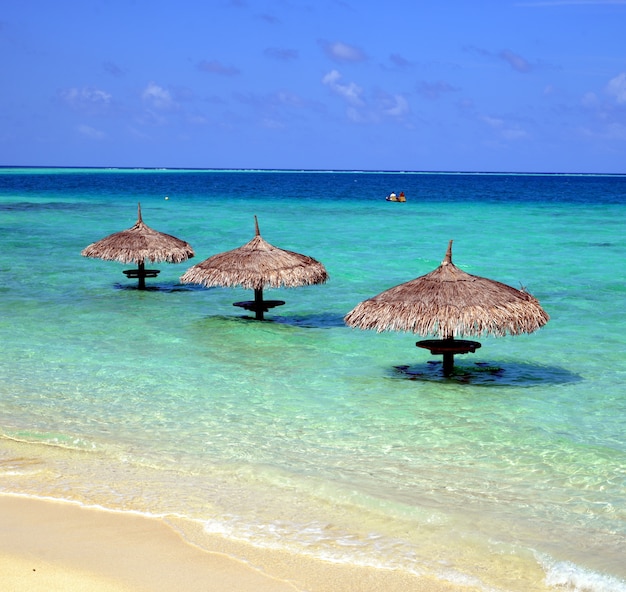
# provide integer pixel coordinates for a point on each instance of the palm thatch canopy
(450, 303)
(257, 265)
(138, 244)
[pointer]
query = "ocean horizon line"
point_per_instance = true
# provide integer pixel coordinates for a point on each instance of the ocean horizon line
(68, 168)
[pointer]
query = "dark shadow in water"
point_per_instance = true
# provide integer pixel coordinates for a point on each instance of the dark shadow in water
(315, 321)
(161, 287)
(27, 206)
(312, 321)
(487, 374)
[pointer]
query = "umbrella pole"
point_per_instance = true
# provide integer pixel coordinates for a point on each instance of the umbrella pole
(447, 347)
(141, 275)
(258, 303)
(448, 360)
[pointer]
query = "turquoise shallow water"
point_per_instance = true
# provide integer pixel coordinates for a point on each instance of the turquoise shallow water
(300, 432)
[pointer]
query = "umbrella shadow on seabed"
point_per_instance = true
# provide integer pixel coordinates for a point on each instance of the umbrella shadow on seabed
(310, 321)
(160, 287)
(448, 303)
(493, 373)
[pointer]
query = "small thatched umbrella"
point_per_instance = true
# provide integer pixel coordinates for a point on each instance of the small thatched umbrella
(449, 303)
(255, 265)
(137, 244)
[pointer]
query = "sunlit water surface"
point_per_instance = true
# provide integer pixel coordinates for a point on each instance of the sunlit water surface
(298, 432)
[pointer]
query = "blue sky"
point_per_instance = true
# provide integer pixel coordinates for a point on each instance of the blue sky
(528, 85)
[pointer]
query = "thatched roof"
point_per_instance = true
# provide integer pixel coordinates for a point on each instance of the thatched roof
(256, 265)
(449, 302)
(138, 244)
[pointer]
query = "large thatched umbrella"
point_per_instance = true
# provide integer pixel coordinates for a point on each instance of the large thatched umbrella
(450, 303)
(255, 265)
(137, 244)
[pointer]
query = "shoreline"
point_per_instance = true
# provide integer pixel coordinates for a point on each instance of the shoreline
(46, 545)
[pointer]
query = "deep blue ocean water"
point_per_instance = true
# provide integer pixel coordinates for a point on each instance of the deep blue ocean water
(301, 433)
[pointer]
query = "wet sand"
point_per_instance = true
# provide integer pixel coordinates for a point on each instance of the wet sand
(48, 545)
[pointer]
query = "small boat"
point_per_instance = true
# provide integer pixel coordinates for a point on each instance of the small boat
(393, 197)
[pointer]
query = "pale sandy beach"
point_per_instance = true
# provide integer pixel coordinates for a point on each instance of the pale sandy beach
(46, 545)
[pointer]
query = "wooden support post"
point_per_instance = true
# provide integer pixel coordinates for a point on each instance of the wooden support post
(448, 356)
(448, 347)
(448, 363)
(258, 303)
(141, 285)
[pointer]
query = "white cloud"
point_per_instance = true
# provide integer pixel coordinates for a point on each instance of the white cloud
(399, 108)
(86, 98)
(616, 131)
(514, 134)
(617, 88)
(342, 52)
(139, 134)
(90, 132)
(589, 99)
(152, 117)
(610, 132)
(504, 129)
(360, 110)
(493, 121)
(355, 115)
(350, 92)
(158, 97)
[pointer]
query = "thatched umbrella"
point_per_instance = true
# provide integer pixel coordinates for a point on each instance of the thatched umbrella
(450, 303)
(255, 265)
(137, 244)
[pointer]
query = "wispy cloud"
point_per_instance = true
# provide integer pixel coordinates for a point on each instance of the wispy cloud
(350, 92)
(434, 90)
(395, 106)
(613, 131)
(606, 117)
(380, 107)
(505, 129)
(216, 67)
(113, 69)
(517, 62)
(277, 110)
(617, 88)
(570, 3)
(158, 97)
(282, 54)
(342, 52)
(86, 99)
(269, 18)
(399, 61)
(91, 132)
(514, 60)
